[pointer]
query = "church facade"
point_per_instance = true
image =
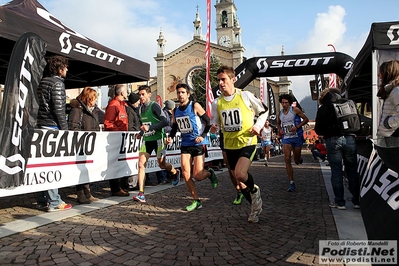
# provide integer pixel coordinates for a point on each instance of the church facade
(179, 65)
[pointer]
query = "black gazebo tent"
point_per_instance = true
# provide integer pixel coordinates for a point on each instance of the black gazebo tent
(382, 43)
(91, 64)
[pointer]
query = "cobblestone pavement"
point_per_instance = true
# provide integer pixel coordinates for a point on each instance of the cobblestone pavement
(161, 232)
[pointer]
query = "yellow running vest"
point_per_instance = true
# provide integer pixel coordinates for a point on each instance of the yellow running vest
(236, 119)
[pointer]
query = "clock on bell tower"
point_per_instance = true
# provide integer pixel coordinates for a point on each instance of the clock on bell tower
(227, 23)
(225, 41)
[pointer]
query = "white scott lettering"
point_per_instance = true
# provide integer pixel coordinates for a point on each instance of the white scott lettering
(301, 62)
(93, 52)
(25, 77)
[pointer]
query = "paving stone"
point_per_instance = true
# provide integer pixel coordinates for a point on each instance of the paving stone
(161, 232)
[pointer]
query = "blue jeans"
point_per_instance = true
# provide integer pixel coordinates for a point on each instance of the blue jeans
(343, 151)
(50, 196)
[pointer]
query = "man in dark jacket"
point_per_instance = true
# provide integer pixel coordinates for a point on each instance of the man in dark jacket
(52, 116)
(134, 124)
(51, 95)
(167, 110)
(162, 175)
(339, 148)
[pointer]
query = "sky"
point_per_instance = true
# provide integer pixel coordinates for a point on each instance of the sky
(133, 26)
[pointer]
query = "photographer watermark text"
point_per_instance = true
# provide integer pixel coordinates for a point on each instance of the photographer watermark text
(358, 252)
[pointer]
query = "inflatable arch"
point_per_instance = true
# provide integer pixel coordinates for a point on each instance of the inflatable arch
(292, 65)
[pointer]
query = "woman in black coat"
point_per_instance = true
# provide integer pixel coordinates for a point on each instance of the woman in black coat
(84, 117)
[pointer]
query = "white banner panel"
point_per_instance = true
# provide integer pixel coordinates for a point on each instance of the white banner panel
(67, 158)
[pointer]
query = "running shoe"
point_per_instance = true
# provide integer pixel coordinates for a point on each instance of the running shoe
(213, 178)
(254, 216)
(266, 163)
(238, 199)
(291, 188)
(256, 200)
(62, 207)
(194, 206)
(335, 205)
(140, 197)
(256, 206)
(176, 178)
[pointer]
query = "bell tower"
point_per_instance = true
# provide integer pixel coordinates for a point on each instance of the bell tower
(228, 29)
(225, 22)
(197, 26)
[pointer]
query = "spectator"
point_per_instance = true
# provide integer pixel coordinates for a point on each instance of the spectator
(52, 116)
(319, 151)
(132, 104)
(388, 129)
(167, 110)
(84, 117)
(341, 150)
(116, 119)
(134, 124)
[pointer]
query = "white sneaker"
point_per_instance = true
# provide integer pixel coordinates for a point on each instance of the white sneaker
(256, 206)
(335, 205)
(254, 216)
(256, 200)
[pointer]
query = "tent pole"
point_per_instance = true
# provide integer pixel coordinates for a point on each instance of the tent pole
(374, 88)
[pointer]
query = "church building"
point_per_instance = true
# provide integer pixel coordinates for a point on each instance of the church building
(181, 64)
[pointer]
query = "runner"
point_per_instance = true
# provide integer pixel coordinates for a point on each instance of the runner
(234, 111)
(153, 121)
(289, 124)
(193, 123)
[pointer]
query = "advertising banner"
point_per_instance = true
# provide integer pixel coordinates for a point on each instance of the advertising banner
(20, 106)
(67, 158)
(379, 190)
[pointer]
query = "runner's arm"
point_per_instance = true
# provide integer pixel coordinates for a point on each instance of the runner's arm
(258, 107)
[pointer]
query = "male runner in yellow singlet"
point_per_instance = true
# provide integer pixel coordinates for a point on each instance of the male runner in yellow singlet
(234, 111)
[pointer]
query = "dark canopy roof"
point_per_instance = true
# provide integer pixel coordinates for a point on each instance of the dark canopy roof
(358, 81)
(90, 63)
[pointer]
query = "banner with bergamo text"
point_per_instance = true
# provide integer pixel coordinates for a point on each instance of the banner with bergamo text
(67, 158)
